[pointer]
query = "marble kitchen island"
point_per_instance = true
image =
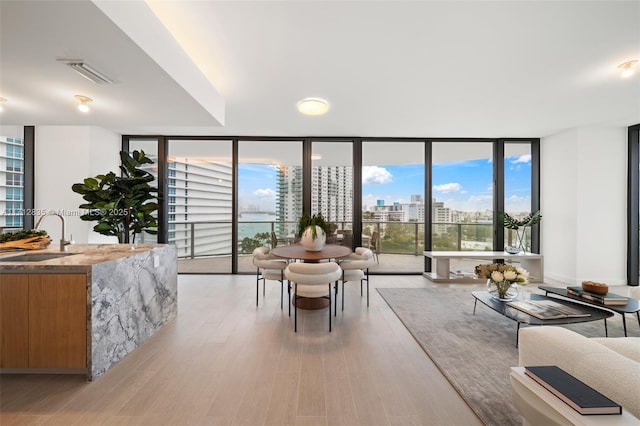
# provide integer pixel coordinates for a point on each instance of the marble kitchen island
(86, 310)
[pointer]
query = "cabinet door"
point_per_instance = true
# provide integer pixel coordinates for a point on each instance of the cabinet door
(57, 321)
(14, 321)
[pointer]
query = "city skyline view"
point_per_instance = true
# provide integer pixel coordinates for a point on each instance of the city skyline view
(462, 185)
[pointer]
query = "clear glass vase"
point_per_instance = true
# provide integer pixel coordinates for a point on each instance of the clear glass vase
(504, 290)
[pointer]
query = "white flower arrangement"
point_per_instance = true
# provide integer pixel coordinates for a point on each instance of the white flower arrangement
(502, 276)
(500, 272)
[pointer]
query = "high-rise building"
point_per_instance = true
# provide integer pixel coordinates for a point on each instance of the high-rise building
(441, 216)
(200, 194)
(11, 182)
(288, 199)
(332, 193)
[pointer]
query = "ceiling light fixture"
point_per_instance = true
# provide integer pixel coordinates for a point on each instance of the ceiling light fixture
(88, 72)
(84, 102)
(316, 157)
(627, 69)
(2, 100)
(313, 106)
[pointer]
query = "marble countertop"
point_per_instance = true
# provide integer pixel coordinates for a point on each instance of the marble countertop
(80, 259)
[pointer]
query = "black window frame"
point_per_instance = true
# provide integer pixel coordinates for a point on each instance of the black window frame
(633, 204)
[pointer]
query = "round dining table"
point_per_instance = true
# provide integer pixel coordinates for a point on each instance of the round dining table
(298, 252)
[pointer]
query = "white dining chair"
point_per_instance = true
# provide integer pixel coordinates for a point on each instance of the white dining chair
(355, 267)
(311, 280)
(269, 267)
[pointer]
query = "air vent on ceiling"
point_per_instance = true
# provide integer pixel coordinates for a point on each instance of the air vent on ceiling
(88, 72)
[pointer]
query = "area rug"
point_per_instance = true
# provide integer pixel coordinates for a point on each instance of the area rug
(474, 352)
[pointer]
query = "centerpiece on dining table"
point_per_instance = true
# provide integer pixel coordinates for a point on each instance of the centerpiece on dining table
(502, 279)
(312, 231)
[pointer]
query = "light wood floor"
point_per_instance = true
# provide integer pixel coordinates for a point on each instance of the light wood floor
(224, 361)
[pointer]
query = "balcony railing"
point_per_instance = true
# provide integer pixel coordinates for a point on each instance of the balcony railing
(213, 238)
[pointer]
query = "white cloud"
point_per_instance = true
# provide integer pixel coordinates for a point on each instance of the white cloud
(446, 188)
(516, 203)
(526, 158)
(471, 204)
(376, 175)
(264, 193)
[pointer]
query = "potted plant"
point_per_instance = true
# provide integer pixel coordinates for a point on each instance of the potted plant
(312, 231)
(123, 205)
(520, 226)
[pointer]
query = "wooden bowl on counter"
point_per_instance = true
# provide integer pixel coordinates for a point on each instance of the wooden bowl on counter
(594, 287)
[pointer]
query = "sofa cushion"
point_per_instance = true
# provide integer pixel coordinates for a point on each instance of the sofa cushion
(612, 374)
(627, 346)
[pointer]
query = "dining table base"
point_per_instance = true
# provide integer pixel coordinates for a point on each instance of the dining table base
(310, 303)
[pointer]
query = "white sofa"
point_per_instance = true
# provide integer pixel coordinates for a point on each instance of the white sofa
(609, 365)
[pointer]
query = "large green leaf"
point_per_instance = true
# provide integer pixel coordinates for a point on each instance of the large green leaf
(121, 204)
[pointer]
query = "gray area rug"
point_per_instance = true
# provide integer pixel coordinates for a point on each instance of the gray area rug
(475, 352)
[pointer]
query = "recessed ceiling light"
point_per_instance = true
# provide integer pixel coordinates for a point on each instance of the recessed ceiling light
(84, 102)
(313, 106)
(627, 69)
(2, 100)
(316, 157)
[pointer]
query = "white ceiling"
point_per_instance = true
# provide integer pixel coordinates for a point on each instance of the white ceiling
(388, 68)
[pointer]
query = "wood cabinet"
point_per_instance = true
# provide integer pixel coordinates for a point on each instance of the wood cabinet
(43, 321)
(14, 321)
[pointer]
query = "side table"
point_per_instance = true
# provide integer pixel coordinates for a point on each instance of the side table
(539, 406)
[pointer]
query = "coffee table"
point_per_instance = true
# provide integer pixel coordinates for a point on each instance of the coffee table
(632, 306)
(523, 318)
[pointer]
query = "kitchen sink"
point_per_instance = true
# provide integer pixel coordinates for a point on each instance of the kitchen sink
(33, 257)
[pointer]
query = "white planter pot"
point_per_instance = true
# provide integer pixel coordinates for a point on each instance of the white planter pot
(311, 244)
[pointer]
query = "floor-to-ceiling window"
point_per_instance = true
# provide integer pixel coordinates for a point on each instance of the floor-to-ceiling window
(269, 195)
(393, 204)
(257, 188)
(199, 202)
(462, 196)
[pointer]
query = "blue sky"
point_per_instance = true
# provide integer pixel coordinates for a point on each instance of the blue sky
(463, 185)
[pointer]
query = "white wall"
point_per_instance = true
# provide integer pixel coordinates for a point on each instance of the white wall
(583, 203)
(66, 155)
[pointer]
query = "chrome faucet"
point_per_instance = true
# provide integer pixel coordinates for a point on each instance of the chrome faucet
(63, 243)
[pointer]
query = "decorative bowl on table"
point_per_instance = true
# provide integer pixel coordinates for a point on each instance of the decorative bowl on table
(594, 287)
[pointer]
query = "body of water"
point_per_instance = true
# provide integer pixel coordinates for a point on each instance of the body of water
(251, 224)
